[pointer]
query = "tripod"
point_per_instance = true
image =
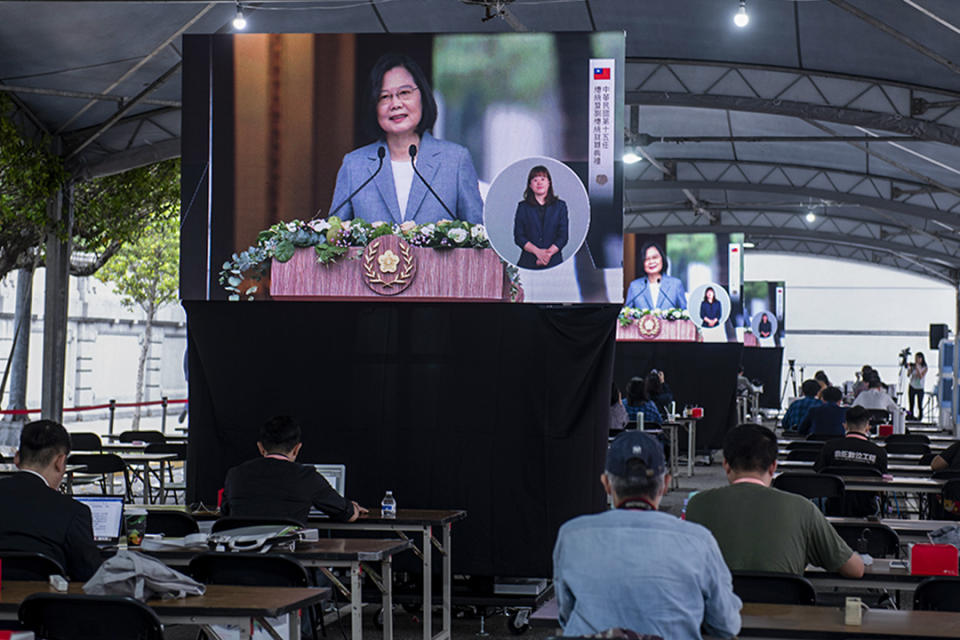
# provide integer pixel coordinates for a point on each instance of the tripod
(791, 380)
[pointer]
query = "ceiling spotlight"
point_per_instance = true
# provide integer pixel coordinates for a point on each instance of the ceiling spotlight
(741, 19)
(811, 216)
(631, 158)
(239, 22)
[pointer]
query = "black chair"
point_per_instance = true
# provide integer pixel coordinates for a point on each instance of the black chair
(804, 455)
(912, 448)
(773, 588)
(821, 437)
(180, 450)
(805, 445)
(916, 438)
(946, 474)
(854, 504)
(941, 593)
(853, 470)
(85, 441)
(251, 569)
(29, 565)
(80, 617)
(175, 524)
(142, 436)
(104, 465)
(235, 522)
(810, 485)
(875, 538)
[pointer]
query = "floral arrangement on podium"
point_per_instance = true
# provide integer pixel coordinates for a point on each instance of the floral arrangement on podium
(334, 240)
(656, 324)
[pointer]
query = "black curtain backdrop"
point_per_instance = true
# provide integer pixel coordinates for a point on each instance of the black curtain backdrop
(498, 409)
(765, 364)
(698, 374)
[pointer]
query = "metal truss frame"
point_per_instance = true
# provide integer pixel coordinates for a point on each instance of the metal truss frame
(921, 112)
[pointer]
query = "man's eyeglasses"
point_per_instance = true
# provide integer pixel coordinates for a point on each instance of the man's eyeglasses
(405, 94)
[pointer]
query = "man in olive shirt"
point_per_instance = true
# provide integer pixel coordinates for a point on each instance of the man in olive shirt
(760, 528)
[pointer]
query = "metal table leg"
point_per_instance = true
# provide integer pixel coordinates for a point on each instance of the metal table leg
(447, 583)
(427, 583)
(356, 602)
(386, 569)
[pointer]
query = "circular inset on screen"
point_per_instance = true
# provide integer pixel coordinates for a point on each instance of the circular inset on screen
(709, 305)
(537, 213)
(764, 324)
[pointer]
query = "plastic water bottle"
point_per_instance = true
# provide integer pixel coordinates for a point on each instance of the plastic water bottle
(388, 507)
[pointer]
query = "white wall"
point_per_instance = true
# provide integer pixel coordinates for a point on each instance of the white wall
(103, 345)
(846, 308)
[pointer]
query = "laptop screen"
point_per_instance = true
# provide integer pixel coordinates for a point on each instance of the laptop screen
(107, 514)
(335, 474)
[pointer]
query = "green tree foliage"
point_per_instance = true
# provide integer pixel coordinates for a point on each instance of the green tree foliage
(145, 273)
(111, 210)
(108, 211)
(29, 175)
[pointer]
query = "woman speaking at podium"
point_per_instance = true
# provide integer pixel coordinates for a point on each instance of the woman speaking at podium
(655, 290)
(400, 112)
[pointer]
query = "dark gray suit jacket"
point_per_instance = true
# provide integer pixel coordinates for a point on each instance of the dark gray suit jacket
(34, 517)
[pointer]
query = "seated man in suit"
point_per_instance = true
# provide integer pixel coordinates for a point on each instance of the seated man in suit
(275, 486)
(637, 568)
(760, 528)
(34, 515)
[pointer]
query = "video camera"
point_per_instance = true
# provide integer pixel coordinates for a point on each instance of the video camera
(904, 355)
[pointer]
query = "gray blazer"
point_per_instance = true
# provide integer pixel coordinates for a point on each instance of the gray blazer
(445, 165)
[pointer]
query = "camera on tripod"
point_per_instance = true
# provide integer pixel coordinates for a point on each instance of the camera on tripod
(904, 355)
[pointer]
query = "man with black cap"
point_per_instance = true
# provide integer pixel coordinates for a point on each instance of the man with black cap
(636, 568)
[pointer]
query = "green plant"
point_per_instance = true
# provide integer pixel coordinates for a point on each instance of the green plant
(331, 239)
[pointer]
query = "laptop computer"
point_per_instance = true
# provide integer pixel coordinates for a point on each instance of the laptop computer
(336, 475)
(107, 512)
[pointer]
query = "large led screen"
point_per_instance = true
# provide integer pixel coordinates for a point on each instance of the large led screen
(403, 167)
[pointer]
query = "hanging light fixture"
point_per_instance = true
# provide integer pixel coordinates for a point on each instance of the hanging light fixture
(239, 22)
(811, 216)
(741, 19)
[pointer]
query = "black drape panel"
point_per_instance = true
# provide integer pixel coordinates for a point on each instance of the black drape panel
(703, 374)
(498, 409)
(765, 364)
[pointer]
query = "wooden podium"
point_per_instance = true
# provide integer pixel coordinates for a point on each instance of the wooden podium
(471, 275)
(665, 331)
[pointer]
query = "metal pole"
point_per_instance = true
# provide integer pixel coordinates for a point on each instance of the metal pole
(56, 300)
(113, 411)
(163, 415)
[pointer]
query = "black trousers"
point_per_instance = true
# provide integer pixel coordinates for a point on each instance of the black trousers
(918, 394)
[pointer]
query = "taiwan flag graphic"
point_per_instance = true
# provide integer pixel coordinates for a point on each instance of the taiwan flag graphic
(601, 73)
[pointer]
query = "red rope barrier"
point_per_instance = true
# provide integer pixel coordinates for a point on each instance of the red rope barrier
(95, 407)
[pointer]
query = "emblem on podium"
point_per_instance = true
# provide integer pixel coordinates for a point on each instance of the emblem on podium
(649, 326)
(388, 265)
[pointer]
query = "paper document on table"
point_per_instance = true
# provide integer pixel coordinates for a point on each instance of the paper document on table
(160, 543)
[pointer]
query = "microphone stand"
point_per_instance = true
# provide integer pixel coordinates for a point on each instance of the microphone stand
(381, 153)
(413, 155)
